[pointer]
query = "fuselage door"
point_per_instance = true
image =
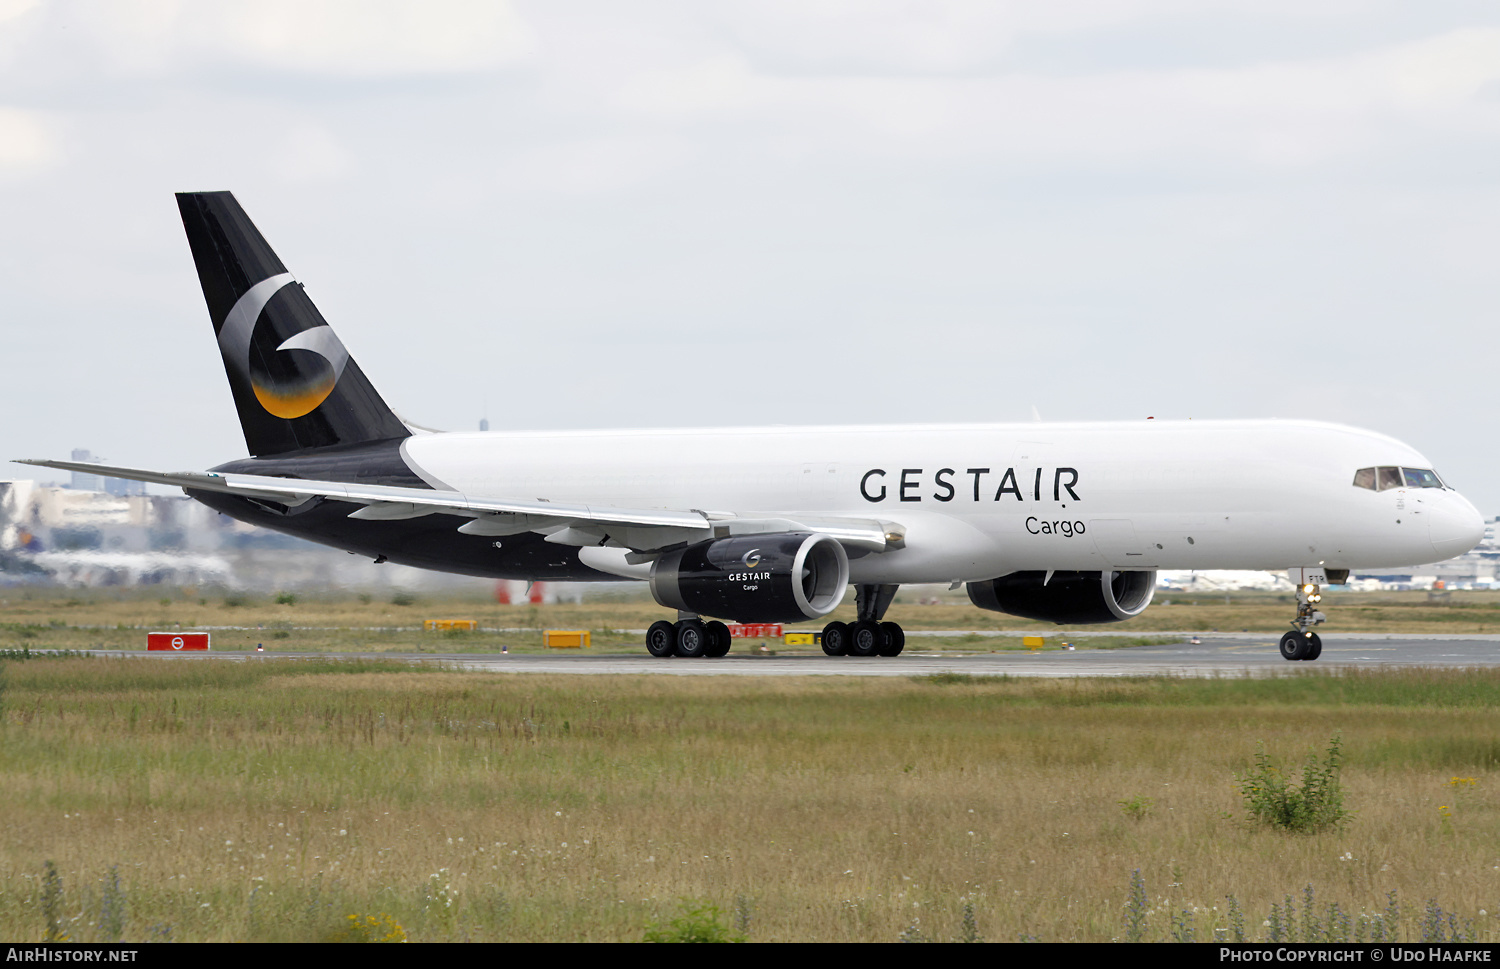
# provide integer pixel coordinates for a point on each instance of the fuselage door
(819, 484)
(1119, 545)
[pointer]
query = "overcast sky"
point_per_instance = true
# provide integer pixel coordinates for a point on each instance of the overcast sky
(571, 214)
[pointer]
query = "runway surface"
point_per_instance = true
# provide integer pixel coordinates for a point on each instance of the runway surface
(1221, 655)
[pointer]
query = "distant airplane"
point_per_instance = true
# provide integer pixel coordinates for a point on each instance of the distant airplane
(1062, 523)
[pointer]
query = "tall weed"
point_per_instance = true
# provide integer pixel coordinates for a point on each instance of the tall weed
(694, 923)
(1312, 805)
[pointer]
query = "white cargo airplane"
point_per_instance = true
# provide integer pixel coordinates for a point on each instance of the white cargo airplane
(1062, 523)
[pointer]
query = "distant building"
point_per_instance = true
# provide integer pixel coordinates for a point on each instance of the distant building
(123, 488)
(119, 487)
(81, 481)
(87, 537)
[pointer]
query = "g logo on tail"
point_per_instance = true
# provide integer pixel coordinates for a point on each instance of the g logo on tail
(286, 399)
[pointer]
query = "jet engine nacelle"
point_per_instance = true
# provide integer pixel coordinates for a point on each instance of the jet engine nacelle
(1068, 598)
(774, 577)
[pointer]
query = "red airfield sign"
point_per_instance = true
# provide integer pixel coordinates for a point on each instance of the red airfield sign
(176, 642)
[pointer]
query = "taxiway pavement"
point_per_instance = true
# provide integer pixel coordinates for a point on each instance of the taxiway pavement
(1250, 654)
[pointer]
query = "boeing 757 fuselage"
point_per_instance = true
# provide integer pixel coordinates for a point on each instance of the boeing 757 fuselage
(1061, 523)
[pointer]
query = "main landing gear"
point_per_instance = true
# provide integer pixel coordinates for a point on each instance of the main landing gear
(690, 637)
(867, 636)
(1303, 643)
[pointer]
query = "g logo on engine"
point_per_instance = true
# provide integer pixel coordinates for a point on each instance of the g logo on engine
(751, 558)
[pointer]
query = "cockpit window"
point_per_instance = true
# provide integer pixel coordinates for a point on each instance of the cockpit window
(1383, 479)
(1421, 478)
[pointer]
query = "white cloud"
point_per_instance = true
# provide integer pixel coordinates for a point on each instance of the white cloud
(960, 36)
(11, 9)
(879, 36)
(1286, 114)
(1451, 68)
(710, 86)
(594, 165)
(25, 142)
(308, 153)
(372, 37)
(361, 38)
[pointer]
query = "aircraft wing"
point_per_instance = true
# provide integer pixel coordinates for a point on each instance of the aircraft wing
(379, 498)
(566, 523)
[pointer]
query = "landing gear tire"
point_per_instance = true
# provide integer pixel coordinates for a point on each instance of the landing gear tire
(692, 638)
(895, 639)
(1307, 645)
(836, 638)
(661, 639)
(865, 638)
(718, 639)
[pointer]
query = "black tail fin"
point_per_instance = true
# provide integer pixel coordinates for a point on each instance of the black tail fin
(294, 384)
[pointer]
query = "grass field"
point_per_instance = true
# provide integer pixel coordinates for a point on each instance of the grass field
(345, 622)
(273, 799)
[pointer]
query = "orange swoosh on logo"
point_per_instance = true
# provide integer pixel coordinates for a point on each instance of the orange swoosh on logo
(296, 404)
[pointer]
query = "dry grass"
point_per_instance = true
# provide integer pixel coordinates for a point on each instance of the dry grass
(270, 800)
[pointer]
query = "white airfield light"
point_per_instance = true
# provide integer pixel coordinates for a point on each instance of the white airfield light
(1061, 523)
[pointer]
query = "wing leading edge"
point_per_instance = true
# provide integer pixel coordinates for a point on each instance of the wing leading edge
(641, 530)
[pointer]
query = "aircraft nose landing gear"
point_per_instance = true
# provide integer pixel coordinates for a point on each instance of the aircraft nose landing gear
(1300, 645)
(1303, 643)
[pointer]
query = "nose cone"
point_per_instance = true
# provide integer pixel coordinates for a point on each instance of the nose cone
(1455, 525)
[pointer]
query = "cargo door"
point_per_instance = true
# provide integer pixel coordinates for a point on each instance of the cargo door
(1119, 545)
